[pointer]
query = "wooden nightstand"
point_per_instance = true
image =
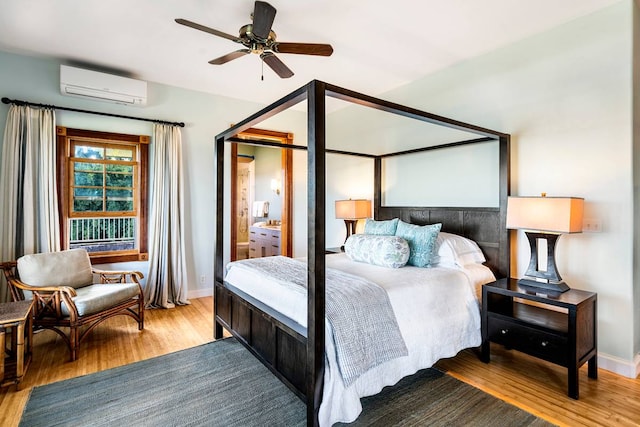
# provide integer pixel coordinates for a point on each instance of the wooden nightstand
(567, 337)
(15, 317)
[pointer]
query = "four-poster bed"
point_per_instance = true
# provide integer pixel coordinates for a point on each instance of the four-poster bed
(294, 353)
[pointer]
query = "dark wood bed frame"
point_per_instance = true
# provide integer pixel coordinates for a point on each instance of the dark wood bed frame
(295, 354)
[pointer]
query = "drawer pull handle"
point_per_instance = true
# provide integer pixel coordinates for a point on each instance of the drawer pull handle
(544, 343)
(504, 331)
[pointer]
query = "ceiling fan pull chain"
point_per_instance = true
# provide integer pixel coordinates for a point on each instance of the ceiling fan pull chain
(262, 71)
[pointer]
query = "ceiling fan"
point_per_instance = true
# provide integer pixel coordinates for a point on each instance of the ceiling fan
(260, 39)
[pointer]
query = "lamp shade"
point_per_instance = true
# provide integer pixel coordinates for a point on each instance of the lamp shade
(353, 209)
(547, 214)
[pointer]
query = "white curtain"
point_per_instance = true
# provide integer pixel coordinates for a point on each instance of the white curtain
(167, 282)
(28, 199)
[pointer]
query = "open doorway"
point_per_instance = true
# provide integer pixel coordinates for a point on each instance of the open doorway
(248, 209)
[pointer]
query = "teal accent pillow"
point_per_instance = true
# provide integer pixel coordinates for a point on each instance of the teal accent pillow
(381, 228)
(422, 241)
(385, 251)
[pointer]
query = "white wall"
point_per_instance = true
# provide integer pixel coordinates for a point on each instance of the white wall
(565, 97)
(636, 172)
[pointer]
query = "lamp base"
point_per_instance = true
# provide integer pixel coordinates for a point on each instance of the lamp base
(543, 287)
(350, 224)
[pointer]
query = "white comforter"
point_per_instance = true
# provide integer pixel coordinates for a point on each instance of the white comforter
(436, 308)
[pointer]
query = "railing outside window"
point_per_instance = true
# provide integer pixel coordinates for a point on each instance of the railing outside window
(103, 234)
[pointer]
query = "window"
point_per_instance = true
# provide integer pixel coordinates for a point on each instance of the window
(102, 189)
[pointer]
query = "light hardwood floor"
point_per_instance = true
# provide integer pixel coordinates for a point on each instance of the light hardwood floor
(535, 386)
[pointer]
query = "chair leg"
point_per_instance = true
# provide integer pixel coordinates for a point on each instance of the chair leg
(140, 313)
(73, 342)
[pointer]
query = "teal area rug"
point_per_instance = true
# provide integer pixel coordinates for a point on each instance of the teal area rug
(431, 398)
(222, 384)
(216, 384)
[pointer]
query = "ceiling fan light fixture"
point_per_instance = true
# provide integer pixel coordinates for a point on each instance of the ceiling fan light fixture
(260, 39)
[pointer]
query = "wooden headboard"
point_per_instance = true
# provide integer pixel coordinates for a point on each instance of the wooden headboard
(481, 225)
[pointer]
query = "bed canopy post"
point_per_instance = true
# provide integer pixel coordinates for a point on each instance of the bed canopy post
(218, 270)
(377, 186)
(316, 247)
(505, 191)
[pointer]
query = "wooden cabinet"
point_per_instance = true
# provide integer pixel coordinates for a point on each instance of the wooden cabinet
(560, 329)
(264, 241)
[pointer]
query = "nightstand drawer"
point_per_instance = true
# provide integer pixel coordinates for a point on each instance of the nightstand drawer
(542, 344)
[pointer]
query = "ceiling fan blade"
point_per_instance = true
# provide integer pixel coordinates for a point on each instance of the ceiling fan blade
(207, 29)
(276, 65)
(263, 16)
(304, 48)
(229, 57)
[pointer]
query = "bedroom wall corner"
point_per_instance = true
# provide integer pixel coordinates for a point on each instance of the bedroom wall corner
(565, 97)
(636, 179)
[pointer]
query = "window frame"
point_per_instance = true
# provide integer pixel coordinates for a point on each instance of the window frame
(65, 139)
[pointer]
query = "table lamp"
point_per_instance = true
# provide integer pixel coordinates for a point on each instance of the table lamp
(544, 218)
(351, 211)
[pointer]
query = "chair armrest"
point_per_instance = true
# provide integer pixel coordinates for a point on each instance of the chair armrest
(49, 299)
(112, 276)
(71, 292)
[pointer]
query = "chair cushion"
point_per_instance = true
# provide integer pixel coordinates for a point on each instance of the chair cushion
(96, 298)
(65, 268)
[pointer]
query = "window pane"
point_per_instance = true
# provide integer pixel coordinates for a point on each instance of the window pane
(89, 179)
(87, 205)
(119, 194)
(117, 205)
(88, 167)
(120, 176)
(93, 193)
(120, 154)
(88, 152)
(119, 200)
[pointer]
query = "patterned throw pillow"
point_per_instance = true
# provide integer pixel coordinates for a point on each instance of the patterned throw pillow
(385, 251)
(421, 239)
(381, 228)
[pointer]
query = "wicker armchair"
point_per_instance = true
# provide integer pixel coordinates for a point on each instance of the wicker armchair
(67, 296)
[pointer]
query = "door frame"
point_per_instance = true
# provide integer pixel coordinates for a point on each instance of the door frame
(286, 173)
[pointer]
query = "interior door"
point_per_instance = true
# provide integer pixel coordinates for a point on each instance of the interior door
(286, 227)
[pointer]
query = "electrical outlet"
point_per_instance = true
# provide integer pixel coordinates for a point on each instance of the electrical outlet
(203, 278)
(591, 225)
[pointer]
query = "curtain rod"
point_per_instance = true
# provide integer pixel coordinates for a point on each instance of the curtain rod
(56, 107)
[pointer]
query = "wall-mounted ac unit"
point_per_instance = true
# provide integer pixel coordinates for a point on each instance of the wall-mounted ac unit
(101, 86)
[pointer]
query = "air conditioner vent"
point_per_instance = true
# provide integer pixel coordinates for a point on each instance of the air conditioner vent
(102, 86)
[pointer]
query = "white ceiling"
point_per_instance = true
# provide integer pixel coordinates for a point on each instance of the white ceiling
(378, 45)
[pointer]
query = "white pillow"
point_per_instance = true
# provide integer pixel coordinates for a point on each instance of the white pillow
(453, 250)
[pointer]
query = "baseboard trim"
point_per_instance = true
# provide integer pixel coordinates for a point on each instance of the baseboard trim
(626, 368)
(199, 293)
